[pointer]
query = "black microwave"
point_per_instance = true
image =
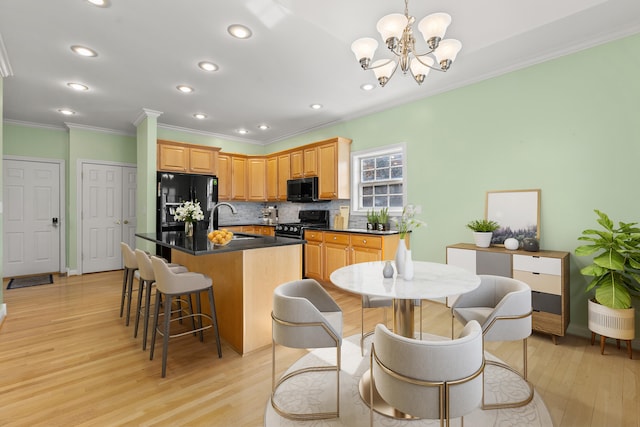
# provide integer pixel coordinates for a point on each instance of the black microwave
(302, 189)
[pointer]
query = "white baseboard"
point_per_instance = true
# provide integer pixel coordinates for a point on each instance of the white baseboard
(72, 272)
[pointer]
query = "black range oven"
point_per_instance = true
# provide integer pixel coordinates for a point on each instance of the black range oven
(308, 218)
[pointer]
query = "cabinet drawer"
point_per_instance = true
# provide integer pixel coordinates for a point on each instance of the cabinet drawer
(363, 241)
(548, 323)
(338, 238)
(547, 283)
(548, 303)
(537, 264)
(315, 236)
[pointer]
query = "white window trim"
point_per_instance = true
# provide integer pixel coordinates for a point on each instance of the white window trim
(355, 175)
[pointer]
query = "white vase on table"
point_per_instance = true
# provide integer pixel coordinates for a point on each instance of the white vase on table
(400, 257)
(408, 266)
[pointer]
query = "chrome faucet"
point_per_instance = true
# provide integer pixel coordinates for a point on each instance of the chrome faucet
(213, 220)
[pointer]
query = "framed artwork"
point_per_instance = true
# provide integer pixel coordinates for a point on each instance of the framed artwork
(516, 211)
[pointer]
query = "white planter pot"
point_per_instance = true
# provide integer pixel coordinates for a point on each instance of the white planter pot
(482, 239)
(610, 322)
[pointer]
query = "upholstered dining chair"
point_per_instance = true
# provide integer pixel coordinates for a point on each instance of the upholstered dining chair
(370, 301)
(431, 378)
(147, 281)
(130, 271)
(502, 306)
(305, 316)
(169, 286)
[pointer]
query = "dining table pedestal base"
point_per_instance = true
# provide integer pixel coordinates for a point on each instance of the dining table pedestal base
(379, 404)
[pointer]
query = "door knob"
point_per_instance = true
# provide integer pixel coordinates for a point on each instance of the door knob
(126, 221)
(54, 221)
(117, 222)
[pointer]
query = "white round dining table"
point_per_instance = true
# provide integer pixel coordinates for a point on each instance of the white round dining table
(431, 281)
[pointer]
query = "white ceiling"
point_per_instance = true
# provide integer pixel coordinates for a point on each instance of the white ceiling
(299, 55)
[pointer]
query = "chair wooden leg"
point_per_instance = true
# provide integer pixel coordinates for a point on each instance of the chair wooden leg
(129, 292)
(166, 332)
(141, 286)
(155, 324)
(147, 315)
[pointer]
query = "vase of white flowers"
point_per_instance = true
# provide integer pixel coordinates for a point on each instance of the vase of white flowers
(406, 224)
(189, 212)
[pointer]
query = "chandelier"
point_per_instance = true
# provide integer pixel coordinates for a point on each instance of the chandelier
(397, 33)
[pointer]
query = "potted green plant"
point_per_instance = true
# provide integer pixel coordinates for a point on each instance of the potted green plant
(483, 231)
(372, 220)
(616, 276)
(383, 219)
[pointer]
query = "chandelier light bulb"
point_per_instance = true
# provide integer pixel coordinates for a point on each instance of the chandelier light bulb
(383, 69)
(391, 27)
(420, 70)
(364, 49)
(447, 52)
(434, 25)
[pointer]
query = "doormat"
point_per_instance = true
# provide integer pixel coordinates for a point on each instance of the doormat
(25, 282)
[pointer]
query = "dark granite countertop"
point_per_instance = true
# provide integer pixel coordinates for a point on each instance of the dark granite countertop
(240, 224)
(199, 244)
(355, 230)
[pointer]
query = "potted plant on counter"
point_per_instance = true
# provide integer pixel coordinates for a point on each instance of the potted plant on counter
(383, 219)
(483, 231)
(372, 220)
(616, 278)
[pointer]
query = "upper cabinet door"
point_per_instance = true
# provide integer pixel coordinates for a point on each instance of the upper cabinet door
(173, 158)
(202, 160)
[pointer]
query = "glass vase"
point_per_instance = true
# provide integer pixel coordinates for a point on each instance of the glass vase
(188, 229)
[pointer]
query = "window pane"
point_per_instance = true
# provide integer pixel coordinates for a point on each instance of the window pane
(367, 190)
(395, 189)
(368, 175)
(381, 189)
(382, 162)
(382, 174)
(368, 163)
(395, 201)
(367, 202)
(396, 160)
(381, 201)
(396, 173)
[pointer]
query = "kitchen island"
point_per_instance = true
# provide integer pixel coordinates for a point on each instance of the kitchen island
(245, 273)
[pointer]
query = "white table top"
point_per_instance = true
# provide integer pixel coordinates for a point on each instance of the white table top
(431, 280)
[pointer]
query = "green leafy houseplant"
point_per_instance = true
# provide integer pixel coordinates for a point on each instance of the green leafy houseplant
(616, 264)
(372, 217)
(483, 225)
(383, 216)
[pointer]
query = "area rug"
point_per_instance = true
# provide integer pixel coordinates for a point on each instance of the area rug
(25, 282)
(313, 392)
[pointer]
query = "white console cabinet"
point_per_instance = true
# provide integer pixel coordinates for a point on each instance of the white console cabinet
(546, 272)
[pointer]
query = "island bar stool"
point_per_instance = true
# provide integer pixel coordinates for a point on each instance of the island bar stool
(172, 285)
(147, 279)
(130, 270)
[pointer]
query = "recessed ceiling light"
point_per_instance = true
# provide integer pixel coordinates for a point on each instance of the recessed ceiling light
(84, 51)
(100, 3)
(184, 88)
(368, 86)
(208, 66)
(239, 31)
(66, 111)
(263, 127)
(200, 116)
(243, 131)
(78, 86)
(316, 106)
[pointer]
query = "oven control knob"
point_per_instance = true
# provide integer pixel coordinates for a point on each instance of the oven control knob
(294, 229)
(285, 228)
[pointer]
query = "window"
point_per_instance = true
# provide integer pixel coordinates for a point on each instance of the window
(378, 179)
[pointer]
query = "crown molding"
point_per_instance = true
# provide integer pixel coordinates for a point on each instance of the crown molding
(34, 125)
(212, 134)
(97, 129)
(146, 113)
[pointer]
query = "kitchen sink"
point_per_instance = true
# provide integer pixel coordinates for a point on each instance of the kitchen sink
(240, 236)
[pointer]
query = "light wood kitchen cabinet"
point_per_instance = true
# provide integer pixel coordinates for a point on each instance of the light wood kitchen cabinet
(297, 164)
(284, 174)
(334, 169)
(224, 177)
(326, 251)
(546, 272)
(238, 178)
(313, 258)
(272, 178)
(187, 158)
(304, 162)
(337, 252)
(257, 190)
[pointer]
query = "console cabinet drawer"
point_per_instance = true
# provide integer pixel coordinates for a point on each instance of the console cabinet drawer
(312, 235)
(337, 238)
(548, 303)
(547, 283)
(537, 264)
(547, 322)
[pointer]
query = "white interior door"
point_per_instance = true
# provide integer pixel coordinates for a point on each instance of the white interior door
(32, 220)
(108, 215)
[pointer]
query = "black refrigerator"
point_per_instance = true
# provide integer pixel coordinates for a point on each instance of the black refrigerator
(177, 188)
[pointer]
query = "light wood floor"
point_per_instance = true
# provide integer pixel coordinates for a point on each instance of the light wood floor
(67, 359)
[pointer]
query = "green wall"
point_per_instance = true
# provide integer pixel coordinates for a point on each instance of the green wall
(1, 186)
(568, 127)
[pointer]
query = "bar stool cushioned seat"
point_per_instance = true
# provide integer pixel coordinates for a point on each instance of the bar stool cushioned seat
(169, 286)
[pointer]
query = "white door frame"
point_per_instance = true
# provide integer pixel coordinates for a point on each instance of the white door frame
(62, 268)
(79, 167)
